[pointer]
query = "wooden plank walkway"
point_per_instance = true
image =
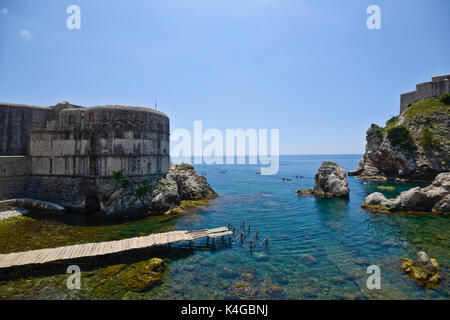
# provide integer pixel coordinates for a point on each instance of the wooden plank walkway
(102, 248)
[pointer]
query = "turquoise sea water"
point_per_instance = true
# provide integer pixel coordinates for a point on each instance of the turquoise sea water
(318, 248)
(343, 238)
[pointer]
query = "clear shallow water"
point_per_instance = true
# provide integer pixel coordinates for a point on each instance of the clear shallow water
(340, 239)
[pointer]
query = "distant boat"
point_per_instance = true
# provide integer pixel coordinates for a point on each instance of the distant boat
(258, 172)
(386, 188)
(299, 176)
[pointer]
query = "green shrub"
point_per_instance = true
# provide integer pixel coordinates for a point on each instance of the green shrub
(426, 140)
(392, 121)
(445, 98)
(118, 175)
(400, 136)
(379, 132)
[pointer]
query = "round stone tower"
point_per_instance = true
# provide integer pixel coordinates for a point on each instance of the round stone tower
(75, 156)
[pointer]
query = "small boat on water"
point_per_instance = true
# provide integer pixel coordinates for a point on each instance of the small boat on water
(386, 188)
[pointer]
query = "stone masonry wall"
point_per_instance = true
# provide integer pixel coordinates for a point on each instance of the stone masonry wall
(15, 124)
(73, 152)
(435, 88)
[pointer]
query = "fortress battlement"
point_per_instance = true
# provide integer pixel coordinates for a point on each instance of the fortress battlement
(65, 153)
(434, 88)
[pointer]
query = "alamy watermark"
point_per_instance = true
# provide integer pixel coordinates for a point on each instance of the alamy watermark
(74, 280)
(236, 146)
(374, 20)
(74, 20)
(374, 280)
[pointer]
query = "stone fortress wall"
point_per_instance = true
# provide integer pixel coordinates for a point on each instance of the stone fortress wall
(67, 154)
(435, 88)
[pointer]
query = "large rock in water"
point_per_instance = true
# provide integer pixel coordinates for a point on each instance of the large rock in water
(181, 183)
(423, 269)
(191, 186)
(420, 154)
(434, 198)
(331, 181)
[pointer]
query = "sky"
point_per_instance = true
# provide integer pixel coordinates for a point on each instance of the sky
(309, 68)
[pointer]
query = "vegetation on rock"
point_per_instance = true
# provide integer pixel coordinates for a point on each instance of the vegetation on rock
(423, 270)
(413, 146)
(427, 140)
(144, 275)
(400, 136)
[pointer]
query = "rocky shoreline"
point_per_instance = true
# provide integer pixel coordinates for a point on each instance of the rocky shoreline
(434, 198)
(412, 147)
(180, 190)
(169, 196)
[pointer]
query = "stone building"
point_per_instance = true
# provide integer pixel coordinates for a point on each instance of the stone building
(67, 154)
(435, 88)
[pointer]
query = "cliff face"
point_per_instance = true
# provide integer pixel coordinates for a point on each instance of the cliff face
(414, 146)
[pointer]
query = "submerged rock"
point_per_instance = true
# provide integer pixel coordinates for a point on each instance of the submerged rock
(434, 198)
(305, 192)
(272, 291)
(241, 290)
(247, 277)
(144, 276)
(112, 270)
(423, 270)
(307, 259)
(330, 181)
(228, 273)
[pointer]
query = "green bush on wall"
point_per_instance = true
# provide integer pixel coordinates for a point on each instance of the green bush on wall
(445, 98)
(400, 136)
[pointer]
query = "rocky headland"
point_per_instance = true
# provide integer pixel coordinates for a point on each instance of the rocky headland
(412, 147)
(434, 198)
(182, 187)
(330, 181)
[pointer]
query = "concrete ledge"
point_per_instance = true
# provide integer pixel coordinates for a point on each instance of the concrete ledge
(32, 205)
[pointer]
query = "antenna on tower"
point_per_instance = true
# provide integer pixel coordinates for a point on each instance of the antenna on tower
(156, 105)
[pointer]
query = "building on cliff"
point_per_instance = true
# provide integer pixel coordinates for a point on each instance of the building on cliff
(435, 88)
(67, 154)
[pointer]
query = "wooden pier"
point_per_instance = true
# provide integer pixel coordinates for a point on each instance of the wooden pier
(110, 247)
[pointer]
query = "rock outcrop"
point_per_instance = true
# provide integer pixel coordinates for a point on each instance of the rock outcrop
(413, 146)
(330, 181)
(423, 270)
(181, 183)
(434, 198)
(131, 198)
